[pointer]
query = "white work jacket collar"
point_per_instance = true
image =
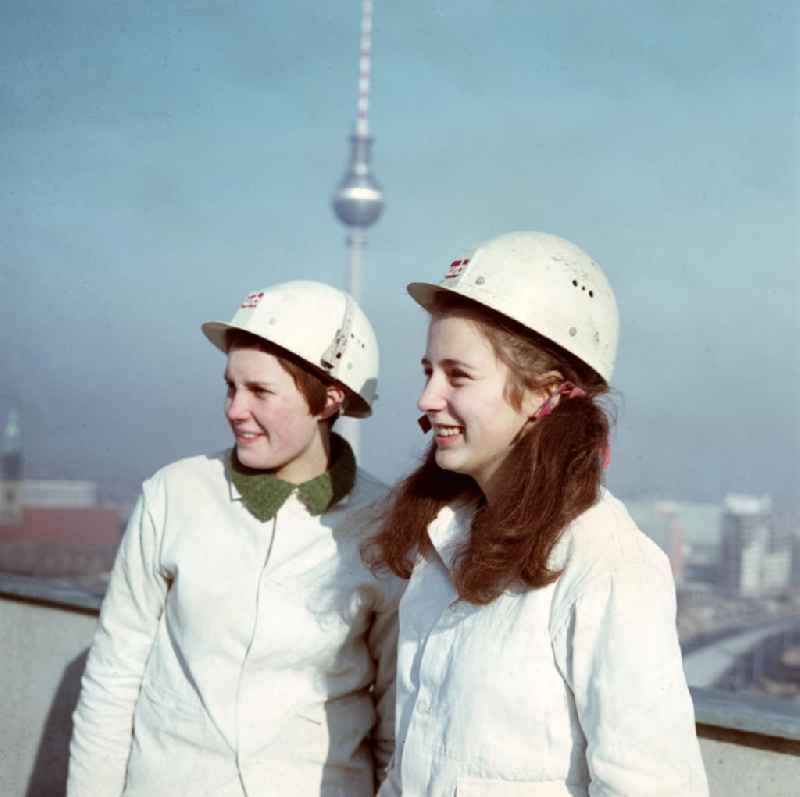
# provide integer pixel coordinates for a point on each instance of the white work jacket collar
(450, 530)
(233, 490)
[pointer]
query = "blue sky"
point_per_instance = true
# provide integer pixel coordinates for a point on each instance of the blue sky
(159, 160)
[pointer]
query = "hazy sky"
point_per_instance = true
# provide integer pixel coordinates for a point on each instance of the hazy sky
(160, 159)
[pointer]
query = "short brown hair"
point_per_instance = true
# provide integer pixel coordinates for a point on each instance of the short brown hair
(313, 386)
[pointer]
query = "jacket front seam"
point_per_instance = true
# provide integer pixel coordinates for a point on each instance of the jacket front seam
(249, 648)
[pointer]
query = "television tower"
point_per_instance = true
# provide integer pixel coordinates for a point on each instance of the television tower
(358, 199)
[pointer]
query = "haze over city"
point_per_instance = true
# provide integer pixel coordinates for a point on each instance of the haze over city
(160, 160)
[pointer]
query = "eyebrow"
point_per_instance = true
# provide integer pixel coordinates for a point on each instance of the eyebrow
(449, 362)
(249, 384)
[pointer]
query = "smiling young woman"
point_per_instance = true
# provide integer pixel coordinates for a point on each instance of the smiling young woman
(538, 653)
(243, 648)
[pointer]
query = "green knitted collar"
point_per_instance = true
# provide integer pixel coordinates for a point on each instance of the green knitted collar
(264, 494)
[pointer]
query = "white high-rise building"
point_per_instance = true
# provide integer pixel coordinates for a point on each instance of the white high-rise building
(753, 562)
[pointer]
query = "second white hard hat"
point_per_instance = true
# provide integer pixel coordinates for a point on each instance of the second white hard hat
(543, 282)
(318, 323)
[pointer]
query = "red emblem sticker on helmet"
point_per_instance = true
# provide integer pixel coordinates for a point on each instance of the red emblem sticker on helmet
(252, 300)
(456, 267)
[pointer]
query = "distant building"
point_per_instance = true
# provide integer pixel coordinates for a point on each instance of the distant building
(745, 533)
(61, 541)
(51, 528)
(60, 532)
(667, 528)
(67, 525)
(753, 561)
(776, 569)
(795, 543)
(58, 493)
(674, 538)
(688, 532)
(11, 472)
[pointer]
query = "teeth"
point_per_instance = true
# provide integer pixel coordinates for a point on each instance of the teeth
(448, 431)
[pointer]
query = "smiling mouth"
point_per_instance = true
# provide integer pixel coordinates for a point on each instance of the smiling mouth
(447, 431)
(246, 437)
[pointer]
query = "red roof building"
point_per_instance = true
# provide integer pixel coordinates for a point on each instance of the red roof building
(82, 525)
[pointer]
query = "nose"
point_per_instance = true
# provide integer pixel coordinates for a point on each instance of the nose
(432, 398)
(236, 408)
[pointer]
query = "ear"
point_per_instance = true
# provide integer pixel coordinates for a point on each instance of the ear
(334, 400)
(534, 398)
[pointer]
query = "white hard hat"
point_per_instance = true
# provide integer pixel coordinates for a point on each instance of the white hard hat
(546, 284)
(318, 323)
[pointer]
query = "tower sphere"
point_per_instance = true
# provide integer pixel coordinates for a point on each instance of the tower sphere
(358, 201)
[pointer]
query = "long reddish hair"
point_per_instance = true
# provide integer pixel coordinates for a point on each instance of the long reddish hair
(551, 475)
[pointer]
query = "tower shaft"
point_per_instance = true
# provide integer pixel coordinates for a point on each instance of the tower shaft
(358, 199)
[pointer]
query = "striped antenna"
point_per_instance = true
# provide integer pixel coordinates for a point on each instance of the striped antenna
(364, 69)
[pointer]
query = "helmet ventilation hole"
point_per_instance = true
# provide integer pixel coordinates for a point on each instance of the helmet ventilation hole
(576, 284)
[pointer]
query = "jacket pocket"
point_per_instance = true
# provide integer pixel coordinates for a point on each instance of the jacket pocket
(480, 787)
(164, 756)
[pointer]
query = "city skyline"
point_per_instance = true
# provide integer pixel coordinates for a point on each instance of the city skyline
(153, 181)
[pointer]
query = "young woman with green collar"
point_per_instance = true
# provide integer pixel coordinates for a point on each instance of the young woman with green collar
(243, 648)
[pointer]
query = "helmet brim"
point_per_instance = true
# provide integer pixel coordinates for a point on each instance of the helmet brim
(355, 406)
(215, 332)
(424, 293)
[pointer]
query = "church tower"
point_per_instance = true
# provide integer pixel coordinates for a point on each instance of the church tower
(11, 472)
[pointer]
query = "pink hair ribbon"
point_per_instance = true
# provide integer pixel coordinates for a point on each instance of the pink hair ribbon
(566, 389)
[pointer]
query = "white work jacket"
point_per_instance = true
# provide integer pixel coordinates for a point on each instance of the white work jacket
(569, 690)
(235, 657)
